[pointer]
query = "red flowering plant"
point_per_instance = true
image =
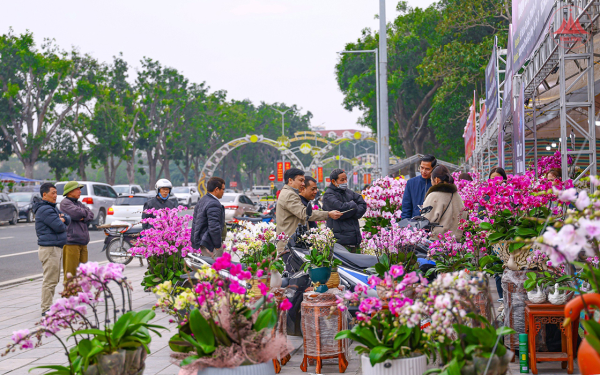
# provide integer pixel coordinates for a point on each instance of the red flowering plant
(384, 203)
(164, 245)
(218, 323)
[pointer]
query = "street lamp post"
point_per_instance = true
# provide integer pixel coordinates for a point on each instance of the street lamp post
(282, 134)
(377, 94)
(384, 149)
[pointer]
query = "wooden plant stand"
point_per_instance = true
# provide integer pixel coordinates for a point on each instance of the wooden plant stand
(545, 313)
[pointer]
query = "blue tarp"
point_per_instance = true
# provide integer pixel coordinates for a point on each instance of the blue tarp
(7, 176)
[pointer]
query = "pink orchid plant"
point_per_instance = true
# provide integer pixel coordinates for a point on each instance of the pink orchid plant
(165, 245)
(219, 324)
(384, 203)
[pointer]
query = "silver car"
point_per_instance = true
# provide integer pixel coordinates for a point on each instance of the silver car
(128, 189)
(236, 205)
(186, 195)
(98, 196)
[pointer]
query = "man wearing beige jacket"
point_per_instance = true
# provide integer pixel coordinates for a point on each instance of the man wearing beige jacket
(290, 211)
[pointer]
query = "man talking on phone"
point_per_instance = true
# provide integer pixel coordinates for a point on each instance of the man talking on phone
(352, 206)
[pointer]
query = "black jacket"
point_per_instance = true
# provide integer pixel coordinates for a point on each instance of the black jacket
(346, 228)
(156, 203)
(208, 224)
(50, 230)
(311, 224)
(81, 216)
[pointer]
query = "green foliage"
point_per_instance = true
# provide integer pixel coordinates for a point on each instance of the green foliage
(163, 268)
(508, 227)
(320, 258)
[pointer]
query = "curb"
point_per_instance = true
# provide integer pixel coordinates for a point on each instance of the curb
(22, 280)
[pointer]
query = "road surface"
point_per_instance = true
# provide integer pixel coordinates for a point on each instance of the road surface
(19, 250)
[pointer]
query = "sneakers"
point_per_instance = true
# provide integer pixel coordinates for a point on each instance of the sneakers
(500, 299)
(44, 312)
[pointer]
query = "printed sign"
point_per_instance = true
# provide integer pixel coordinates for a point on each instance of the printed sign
(507, 99)
(272, 177)
(320, 174)
(355, 178)
(529, 19)
(288, 165)
(492, 98)
(482, 120)
(232, 183)
(280, 171)
(470, 133)
(518, 136)
(367, 178)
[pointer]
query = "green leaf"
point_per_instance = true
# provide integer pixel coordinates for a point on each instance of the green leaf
(378, 353)
(120, 327)
(188, 360)
(266, 319)
(485, 261)
(92, 331)
(201, 330)
(485, 226)
(502, 331)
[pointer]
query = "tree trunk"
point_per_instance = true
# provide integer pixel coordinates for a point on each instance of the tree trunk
(28, 164)
(166, 164)
(106, 172)
(131, 170)
(81, 168)
(151, 169)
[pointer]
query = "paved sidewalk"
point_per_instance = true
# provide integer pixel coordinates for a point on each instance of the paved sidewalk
(20, 308)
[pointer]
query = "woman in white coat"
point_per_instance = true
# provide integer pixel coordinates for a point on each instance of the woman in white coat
(446, 202)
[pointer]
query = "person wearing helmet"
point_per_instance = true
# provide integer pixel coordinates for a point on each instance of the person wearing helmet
(161, 200)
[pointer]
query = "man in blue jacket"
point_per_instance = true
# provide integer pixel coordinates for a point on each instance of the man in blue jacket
(51, 230)
(417, 187)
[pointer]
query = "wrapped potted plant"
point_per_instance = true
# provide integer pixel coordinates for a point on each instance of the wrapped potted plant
(256, 245)
(319, 261)
(389, 332)
(219, 329)
(116, 345)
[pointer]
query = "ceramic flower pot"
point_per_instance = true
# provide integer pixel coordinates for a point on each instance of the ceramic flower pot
(320, 275)
(404, 366)
(588, 358)
(537, 296)
(266, 368)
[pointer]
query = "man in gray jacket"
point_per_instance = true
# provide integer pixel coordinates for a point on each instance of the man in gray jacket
(78, 236)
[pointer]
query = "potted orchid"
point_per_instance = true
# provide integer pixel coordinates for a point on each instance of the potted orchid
(220, 327)
(384, 203)
(256, 245)
(319, 261)
(389, 332)
(165, 245)
(115, 345)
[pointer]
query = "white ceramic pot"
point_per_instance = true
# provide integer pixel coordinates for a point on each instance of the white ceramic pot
(402, 366)
(266, 368)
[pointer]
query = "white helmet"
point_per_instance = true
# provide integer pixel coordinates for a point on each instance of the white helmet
(163, 183)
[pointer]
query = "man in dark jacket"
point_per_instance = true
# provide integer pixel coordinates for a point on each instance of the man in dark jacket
(352, 206)
(78, 236)
(208, 228)
(307, 194)
(51, 230)
(161, 200)
(417, 188)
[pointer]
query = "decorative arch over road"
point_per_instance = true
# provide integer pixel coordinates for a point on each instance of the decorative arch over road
(211, 164)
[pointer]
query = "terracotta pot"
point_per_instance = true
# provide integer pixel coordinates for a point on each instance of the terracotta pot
(587, 357)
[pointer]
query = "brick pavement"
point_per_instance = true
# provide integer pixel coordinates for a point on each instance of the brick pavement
(20, 308)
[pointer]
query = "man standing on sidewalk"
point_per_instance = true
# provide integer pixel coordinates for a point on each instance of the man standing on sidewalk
(78, 236)
(51, 230)
(208, 228)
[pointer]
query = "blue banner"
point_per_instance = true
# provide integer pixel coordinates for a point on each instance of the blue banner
(529, 18)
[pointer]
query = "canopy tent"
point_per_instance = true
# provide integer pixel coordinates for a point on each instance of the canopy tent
(8, 177)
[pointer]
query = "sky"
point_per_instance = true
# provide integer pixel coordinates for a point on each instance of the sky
(262, 50)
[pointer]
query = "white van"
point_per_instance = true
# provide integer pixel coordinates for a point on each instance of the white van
(261, 190)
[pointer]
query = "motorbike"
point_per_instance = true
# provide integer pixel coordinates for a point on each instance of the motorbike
(119, 241)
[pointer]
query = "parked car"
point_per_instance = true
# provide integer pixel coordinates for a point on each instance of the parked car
(128, 189)
(186, 195)
(98, 196)
(236, 205)
(9, 210)
(25, 201)
(261, 190)
(129, 208)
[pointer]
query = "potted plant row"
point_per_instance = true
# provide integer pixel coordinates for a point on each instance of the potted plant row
(116, 345)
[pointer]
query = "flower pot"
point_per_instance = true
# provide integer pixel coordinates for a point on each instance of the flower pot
(109, 364)
(537, 296)
(320, 275)
(481, 363)
(259, 369)
(400, 366)
(135, 361)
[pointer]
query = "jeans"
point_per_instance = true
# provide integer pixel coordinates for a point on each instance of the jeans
(50, 256)
(499, 285)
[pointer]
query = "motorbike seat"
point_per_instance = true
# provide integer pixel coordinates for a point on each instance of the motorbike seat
(354, 260)
(134, 230)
